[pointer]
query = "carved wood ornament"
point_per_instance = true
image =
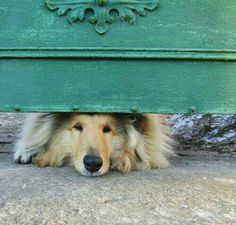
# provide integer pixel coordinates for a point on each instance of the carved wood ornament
(105, 12)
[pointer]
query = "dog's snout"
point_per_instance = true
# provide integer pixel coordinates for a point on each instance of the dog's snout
(92, 163)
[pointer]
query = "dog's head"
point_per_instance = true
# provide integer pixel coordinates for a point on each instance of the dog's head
(96, 139)
(93, 143)
(92, 139)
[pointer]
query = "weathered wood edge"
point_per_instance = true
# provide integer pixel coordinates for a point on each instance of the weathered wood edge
(104, 109)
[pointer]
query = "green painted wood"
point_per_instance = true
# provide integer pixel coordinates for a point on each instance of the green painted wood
(175, 24)
(181, 57)
(163, 86)
(139, 53)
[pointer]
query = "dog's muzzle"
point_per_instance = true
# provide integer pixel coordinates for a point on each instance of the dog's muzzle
(92, 163)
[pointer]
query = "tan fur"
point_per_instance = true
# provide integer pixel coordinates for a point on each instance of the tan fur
(122, 151)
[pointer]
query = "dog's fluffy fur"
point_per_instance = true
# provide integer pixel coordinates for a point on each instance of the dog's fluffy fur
(125, 142)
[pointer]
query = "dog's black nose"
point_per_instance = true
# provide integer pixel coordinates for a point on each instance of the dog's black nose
(92, 163)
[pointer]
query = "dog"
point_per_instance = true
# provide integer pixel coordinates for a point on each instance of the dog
(95, 143)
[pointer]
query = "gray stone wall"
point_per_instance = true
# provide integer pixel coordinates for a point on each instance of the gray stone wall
(10, 124)
(208, 132)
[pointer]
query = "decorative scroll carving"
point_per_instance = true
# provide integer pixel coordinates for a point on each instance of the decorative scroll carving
(105, 12)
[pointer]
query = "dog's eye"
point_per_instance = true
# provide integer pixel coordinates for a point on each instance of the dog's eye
(78, 127)
(106, 129)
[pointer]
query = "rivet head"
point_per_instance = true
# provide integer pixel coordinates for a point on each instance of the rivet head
(102, 2)
(192, 109)
(17, 108)
(134, 108)
(75, 107)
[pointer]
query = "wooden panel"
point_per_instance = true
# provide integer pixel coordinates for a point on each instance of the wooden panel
(176, 24)
(163, 86)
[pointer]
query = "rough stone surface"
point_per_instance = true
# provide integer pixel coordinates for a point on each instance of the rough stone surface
(10, 124)
(212, 132)
(197, 189)
(207, 128)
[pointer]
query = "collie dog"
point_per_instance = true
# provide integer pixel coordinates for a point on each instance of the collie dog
(95, 143)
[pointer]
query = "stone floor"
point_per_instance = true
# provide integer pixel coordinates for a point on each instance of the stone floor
(199, 188)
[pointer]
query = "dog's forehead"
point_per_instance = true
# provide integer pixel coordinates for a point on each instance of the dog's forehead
(94, 118)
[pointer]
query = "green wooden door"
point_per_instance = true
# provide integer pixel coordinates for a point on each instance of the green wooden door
(180, 57)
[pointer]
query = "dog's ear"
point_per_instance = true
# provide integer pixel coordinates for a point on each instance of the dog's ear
(136, 118)
(139, 122)
(127, 117)
(132, 118)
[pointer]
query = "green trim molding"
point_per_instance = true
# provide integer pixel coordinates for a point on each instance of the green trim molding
(104, 11)
(118, 53)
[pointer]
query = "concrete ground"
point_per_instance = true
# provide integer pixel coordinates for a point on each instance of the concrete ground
(199, 188)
